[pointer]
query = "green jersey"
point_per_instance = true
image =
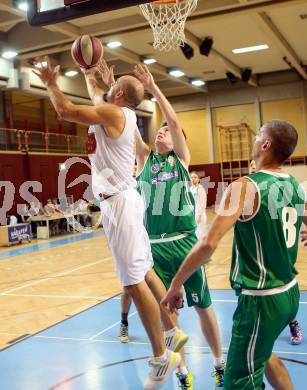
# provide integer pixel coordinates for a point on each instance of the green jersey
(164, 186)
(265, 246)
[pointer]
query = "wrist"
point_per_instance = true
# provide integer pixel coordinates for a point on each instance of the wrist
(176, 283)
(51, 84)
(155, 91)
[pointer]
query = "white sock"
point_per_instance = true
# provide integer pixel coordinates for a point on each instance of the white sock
(218, 362)
(171, 332)
(163, 357)
(183, 370)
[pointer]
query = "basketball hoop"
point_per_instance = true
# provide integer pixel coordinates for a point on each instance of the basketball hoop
(167, 19)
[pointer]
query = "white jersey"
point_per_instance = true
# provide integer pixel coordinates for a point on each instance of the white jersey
(200, 197)
(112, 160)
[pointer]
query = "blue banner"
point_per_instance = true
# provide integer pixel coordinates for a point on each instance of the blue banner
(19, 232)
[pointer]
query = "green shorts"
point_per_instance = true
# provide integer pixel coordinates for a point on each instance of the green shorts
(257, 323)
(168, 257)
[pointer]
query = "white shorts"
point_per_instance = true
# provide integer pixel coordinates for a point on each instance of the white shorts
(123, 223)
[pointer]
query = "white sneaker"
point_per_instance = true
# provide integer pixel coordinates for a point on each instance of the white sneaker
(161, 370)
(177, 341)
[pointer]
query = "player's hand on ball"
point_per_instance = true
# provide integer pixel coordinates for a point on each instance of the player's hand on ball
(106, 72)
(46, 73)
(145, 77)
(87, 72)
(173, 300)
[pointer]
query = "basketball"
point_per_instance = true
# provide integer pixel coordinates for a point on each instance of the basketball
(87, 51)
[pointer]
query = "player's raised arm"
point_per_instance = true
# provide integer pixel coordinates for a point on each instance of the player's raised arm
(180, 145)
(95, 91)
(108, 115)
(142, 150)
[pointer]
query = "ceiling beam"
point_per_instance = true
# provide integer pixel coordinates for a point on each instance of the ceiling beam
(7, 5)
(229, 65)
(246, 8)
(65, 28)
(133, 59)
(120, 53)
(271, 30)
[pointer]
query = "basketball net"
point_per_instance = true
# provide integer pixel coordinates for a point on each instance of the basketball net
(167, 19)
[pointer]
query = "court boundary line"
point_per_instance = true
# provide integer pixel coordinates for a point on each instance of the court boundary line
(103, 297)
(57, 323)
(15, 252)
(111, 326)
(96, 368)
(195, 347)
(115, 296)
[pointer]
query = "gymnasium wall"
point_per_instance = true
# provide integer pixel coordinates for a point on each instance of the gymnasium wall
(291, 110)
(195, 126)
(18, 168)
(255, 106)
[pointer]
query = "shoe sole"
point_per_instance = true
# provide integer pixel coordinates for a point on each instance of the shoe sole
(182, 342)
(124, 341)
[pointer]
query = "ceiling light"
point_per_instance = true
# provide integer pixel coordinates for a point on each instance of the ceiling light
(71, 73)
(149, 61)
(9, 54)
(206, 46)
(198, 83)
(187, 50)
(153, 99)
(23, 6)
(39, 65)
(176, 73)
(114, 44)
(250, 48)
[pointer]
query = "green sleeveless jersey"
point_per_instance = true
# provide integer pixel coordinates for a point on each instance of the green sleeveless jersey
(265, 246)
(164, 186)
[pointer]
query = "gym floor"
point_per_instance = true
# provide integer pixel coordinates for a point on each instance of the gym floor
(60, 316)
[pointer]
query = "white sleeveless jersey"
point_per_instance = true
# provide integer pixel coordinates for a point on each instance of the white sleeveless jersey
(112, 160)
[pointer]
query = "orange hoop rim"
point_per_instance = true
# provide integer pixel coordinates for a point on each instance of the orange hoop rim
(159, 2)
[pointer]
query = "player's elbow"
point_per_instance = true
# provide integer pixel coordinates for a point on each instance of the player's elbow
(207, 248)
(174, 124)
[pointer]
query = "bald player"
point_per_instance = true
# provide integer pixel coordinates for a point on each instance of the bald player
(111, 153)
(266, 209)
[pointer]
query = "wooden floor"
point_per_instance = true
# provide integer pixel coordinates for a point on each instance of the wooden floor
(41, 288)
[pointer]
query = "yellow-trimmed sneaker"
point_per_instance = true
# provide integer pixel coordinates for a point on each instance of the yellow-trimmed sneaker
(218, 374)
(161, 370)
(177, 341)
(185, 382)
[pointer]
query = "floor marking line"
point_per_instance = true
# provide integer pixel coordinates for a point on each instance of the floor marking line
(59, 338)
(111, 326)
(55, 276)
(52, 296)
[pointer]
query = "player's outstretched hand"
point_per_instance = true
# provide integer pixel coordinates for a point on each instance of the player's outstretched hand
(173, 299)
(106, 72)
(145, 77)
(46, 73)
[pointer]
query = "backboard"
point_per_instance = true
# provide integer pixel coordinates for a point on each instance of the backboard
(44, 12)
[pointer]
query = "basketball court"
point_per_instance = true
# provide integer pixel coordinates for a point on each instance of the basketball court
(60, 297)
